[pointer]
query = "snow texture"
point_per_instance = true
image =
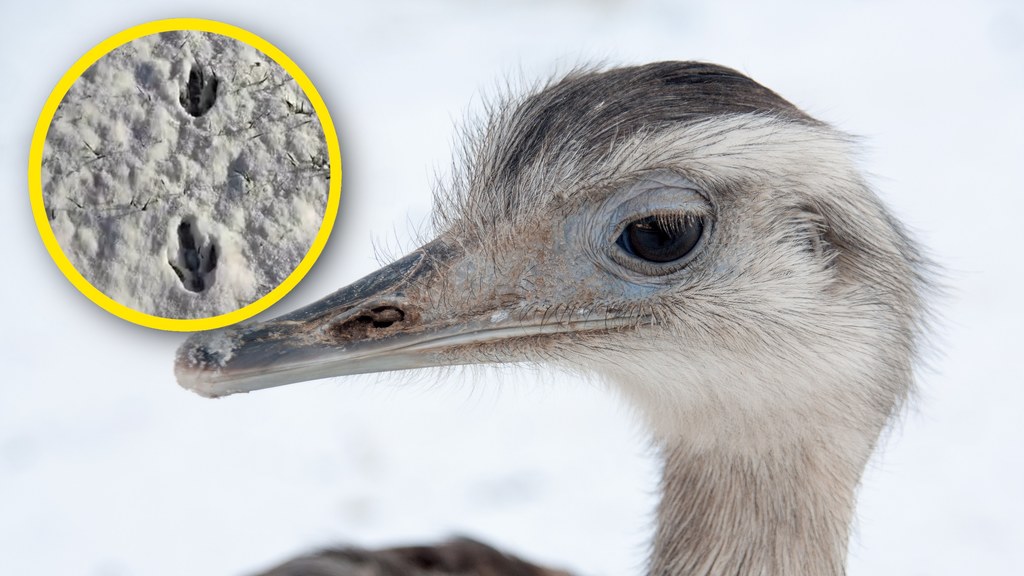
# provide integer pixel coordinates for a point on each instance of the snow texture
(108, 468)
(185, 174)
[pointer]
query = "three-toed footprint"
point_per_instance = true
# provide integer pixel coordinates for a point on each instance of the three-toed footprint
(200, 91)
(196, 257)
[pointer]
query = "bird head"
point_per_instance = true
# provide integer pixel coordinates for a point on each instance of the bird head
(675, 228)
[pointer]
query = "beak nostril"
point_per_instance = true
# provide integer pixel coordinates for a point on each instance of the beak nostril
(362, 326)
(381, 317)
(384, 316)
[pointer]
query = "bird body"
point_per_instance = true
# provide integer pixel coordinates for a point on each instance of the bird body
(700, 244)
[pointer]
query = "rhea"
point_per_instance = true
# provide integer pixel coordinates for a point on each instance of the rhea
(689, 237)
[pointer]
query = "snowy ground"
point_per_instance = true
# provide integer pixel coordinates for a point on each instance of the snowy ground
(185, 174)
(107, 468)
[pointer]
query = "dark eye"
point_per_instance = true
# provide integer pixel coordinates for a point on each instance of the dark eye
(661, 238)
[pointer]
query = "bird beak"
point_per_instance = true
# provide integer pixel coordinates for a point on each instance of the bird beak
(413, 313)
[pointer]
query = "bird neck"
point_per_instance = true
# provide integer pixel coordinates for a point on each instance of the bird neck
(783, 511)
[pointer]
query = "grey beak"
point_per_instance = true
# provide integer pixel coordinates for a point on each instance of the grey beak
(371, 325)
(406, 315)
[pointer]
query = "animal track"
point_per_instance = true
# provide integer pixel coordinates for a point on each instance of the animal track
(200, 92)
(195, 263)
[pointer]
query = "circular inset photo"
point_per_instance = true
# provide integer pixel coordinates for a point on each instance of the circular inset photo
(185, 174)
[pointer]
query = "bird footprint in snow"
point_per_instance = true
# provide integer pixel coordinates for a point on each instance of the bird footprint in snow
(196, 258)
(200, 92)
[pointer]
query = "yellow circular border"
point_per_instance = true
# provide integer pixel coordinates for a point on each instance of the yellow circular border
(35, 166)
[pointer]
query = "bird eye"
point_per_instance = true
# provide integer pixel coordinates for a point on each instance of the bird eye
(661, 239)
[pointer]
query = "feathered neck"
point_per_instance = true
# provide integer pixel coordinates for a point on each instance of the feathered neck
(783, 511)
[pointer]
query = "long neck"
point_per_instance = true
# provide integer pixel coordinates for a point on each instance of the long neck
(782, 512)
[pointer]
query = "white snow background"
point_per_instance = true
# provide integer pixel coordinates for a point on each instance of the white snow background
(107, 468)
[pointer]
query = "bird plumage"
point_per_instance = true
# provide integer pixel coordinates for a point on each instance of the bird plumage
(766, 359)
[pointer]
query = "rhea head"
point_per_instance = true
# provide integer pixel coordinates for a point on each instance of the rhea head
(686, 235)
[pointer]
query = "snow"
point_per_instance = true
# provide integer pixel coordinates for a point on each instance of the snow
(185, 174)
(108, 468)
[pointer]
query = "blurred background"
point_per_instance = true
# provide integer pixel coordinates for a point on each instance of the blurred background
(108, 468)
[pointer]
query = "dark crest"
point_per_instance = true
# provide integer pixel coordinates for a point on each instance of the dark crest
(590, 111)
